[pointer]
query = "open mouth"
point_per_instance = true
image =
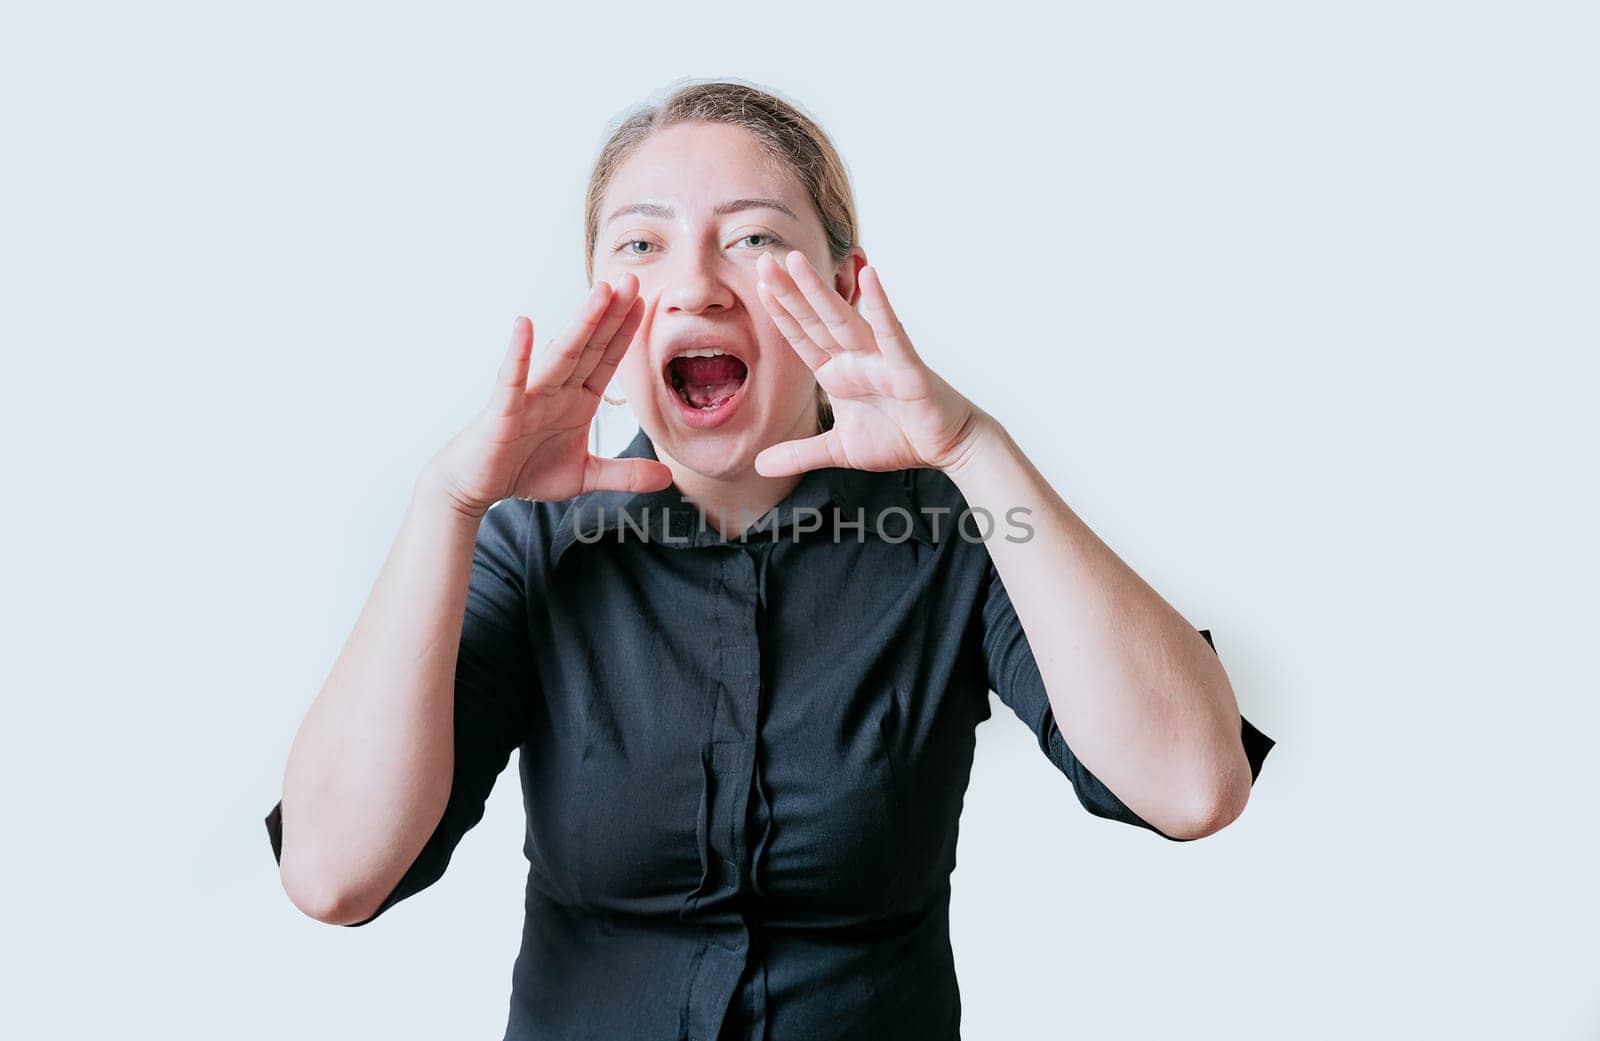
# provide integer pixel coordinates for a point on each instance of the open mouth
(706, 379)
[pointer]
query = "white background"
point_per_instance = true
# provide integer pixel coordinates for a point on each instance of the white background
(1295, 304)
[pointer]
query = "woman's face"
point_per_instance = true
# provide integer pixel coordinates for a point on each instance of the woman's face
(689, 212)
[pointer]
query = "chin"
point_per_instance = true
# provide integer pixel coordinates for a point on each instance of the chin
(716, 460)
(721, 452)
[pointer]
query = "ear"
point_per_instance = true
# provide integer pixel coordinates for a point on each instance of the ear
(845, 276)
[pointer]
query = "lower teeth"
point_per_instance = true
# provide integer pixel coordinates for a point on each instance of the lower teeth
(707, 407)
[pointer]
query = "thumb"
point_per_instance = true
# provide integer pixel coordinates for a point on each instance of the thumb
(793, 457)
(625, 475)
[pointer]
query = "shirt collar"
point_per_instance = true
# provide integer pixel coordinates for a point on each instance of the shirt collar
(880, 500)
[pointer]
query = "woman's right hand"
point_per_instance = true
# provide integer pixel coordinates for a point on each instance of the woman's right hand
(531, 441)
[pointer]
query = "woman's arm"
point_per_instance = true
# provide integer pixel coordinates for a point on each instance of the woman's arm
(369, 771)
(371, 767)
(1138, 692)
(1145, 700)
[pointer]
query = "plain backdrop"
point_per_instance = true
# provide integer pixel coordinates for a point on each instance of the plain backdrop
(1294, 303)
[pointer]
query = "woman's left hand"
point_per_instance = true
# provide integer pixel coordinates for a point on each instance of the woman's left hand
(890, 411)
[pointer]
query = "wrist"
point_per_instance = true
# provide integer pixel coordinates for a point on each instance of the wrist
(432, 493)
(980, 437)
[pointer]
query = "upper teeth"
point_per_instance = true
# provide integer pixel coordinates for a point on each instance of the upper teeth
(703, 352)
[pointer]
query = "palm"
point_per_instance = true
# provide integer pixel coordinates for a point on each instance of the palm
(890, 409)
(550, 436)
(531, 441)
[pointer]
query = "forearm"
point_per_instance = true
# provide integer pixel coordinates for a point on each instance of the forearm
(1144, 701)
(369, 772)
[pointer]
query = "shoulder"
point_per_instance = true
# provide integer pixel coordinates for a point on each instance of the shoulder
(941, 501)
(509, 517)
(952, 519)
(522, 528)
(932, 488)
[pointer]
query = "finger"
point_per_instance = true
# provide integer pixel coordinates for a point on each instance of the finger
(605, 334)
(513, 375)
(891, 335)
(794, 302)
(600, 377)
(846, 327)
(625, 291)
(793, 457)
(809, 352)
(625, 475)
(557, 360)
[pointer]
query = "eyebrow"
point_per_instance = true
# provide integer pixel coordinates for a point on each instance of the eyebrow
(650, 209)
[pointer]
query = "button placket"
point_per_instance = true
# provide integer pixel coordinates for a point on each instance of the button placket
(728, 762)
(734, 726)
(764, 810)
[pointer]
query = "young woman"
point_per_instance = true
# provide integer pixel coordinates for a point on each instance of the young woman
(743, 660)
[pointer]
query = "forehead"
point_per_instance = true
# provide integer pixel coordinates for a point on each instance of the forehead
(697, 165)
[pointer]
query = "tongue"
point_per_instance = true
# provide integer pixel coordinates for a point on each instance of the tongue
(707, 381)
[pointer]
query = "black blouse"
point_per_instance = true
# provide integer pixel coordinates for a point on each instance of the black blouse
(743, 760)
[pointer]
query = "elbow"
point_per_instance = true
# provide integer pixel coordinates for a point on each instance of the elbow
(1216, 805)
(313, 895)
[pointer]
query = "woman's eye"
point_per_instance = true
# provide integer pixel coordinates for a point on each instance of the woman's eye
(644, 247)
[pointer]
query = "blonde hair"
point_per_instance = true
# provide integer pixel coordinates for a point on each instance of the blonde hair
(787, 134)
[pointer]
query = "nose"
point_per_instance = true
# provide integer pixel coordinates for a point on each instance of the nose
(694, 284)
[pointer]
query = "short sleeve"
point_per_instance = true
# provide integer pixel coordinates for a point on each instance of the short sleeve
(496, 688)
(1014, 676)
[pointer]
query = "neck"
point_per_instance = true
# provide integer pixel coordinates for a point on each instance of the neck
(734, 502)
